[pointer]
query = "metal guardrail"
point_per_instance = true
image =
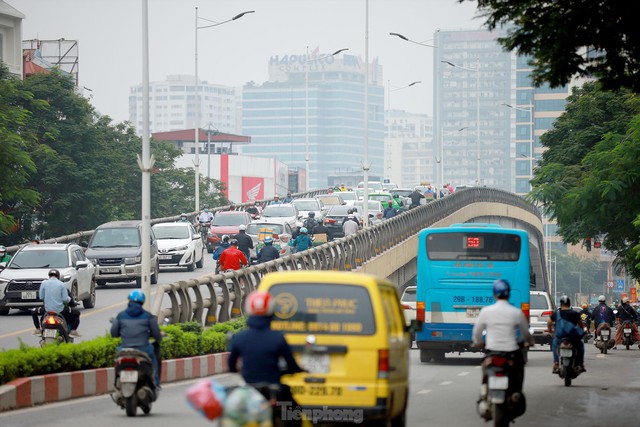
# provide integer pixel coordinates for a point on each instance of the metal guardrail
(78, 236)
(228, 291)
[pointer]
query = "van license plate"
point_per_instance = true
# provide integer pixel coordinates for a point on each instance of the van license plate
(128, 376)
(49, 333)
(498, 383)
(316, 363)
(565, 352)
(29, 295)
(473, 312)
(110, 270)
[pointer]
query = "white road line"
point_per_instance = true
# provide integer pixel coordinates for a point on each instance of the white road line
(424, 392)
(446, 382)
(462, 374)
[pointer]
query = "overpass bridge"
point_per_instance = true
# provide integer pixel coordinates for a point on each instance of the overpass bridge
(387, 250)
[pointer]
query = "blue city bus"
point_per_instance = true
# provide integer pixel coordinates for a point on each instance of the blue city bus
(457, 266)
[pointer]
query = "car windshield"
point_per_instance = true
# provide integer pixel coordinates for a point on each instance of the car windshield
(255, 229)
(402, 193)
(409, 295)
(224, 220)
(339, 210)
(380, 197)
(306, 205)
(40, 259)
(274, 210)
(538, 302)
(171, 232)
(115, 237)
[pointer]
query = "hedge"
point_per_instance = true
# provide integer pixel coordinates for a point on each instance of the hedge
(181, 340)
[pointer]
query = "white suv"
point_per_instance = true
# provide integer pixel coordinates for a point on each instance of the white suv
(20, 279)
(540, 310)
(408, 301)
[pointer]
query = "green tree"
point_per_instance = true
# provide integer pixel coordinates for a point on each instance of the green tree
(589, 178)
(16, 165)
(556, 33)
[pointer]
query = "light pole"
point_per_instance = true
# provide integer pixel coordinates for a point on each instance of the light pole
(436, 118)
(196, 160)
(441, 159)
(365, 162)
(477, 71)
(307, 159)
(529, 109)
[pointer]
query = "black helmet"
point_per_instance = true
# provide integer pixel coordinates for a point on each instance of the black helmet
(312, 214)
(233, 242)
(54, 272)
(565, 300)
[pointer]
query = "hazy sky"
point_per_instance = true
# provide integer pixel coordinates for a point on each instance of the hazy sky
(110, 39)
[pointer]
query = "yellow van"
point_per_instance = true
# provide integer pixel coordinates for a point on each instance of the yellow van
(348, 331)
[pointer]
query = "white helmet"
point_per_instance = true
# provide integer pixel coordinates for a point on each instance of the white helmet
(601, 298)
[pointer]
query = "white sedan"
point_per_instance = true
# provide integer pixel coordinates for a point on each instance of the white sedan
(179, 245)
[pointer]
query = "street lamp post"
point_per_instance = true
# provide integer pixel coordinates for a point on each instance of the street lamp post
(477, 71)
(438, 135)
(196, 160)
(307, 158)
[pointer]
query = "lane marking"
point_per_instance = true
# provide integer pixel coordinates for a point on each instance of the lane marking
(424, 392)
(446, 382)
(462, 374)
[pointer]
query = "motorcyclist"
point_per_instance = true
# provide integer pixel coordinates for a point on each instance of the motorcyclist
(626, 312)
(232, 258)
(136, 326)
(4, 256)
(602, 313)
(390, 211)
(245, 243)
(302, 242)
(289, 198)
(205, 216)
(585, 316)
(254, 210)
(569, 315)
(501, 320)
(56, 298)
(310, 223)
(183, 218)
(268, 252)
(276, 200)
(415, 198)
(319, 230)
(260, 348)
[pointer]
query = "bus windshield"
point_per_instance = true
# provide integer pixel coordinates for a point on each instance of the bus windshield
(473, 245)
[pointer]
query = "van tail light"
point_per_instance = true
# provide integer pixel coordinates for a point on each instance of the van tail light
(525, 309)
(420, 311)
(546, 314)
(383, 364)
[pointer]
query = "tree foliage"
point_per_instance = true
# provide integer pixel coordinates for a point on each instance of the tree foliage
(66, 168)
(589, 178)
(557, 33)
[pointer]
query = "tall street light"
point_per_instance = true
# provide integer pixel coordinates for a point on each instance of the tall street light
(196, 160)
(436, 118)
(528, 109)
(365, 162)
(441, 159)
(308, 61)
(477, 71)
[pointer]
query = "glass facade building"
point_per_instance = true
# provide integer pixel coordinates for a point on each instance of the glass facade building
(286, 116)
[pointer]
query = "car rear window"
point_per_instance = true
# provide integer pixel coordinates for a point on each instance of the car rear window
(538, 302)
(409, 295)
(229, 220)
(306, 308)
(276, 211)
(257, 228)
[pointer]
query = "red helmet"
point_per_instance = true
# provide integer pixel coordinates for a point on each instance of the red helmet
(259, 303)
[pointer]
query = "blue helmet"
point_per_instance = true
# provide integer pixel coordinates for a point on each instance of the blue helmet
(501, 288)
(268, 240)
(136, 295)
(304, 230)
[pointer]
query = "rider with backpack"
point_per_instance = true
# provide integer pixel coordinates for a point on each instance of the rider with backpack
(568, 325)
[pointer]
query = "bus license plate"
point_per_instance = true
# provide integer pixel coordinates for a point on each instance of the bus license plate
(498, 383)
(128, 376)
(473, 312)
(316, 363)
(29, 295)
(49, 333)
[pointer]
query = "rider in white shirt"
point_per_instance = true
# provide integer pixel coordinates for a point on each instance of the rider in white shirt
(205, 216)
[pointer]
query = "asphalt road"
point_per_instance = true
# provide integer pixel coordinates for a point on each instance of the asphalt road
(110, 300)
(440, 395)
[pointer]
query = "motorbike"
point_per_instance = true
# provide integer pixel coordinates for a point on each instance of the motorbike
(604, 341)
(569, 368)
(134, 381)
(627, 331)
(586, 335)
(54, 329)
(203, 229)
(499, 401)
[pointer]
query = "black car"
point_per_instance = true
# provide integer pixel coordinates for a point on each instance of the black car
(334, 219)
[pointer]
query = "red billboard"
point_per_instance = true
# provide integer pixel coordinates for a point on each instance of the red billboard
(252, 188)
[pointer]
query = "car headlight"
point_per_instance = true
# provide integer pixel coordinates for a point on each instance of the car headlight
(94, 261)
(133, 260)
(65, 277)
(182, 248)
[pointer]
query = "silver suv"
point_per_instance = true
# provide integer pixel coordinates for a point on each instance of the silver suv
(20, 279)
(540, 311)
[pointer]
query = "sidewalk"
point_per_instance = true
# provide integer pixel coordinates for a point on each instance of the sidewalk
(25, 392)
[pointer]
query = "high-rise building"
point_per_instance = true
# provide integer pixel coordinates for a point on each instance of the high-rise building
(409, 153)
(172, 106)
(316, 106)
